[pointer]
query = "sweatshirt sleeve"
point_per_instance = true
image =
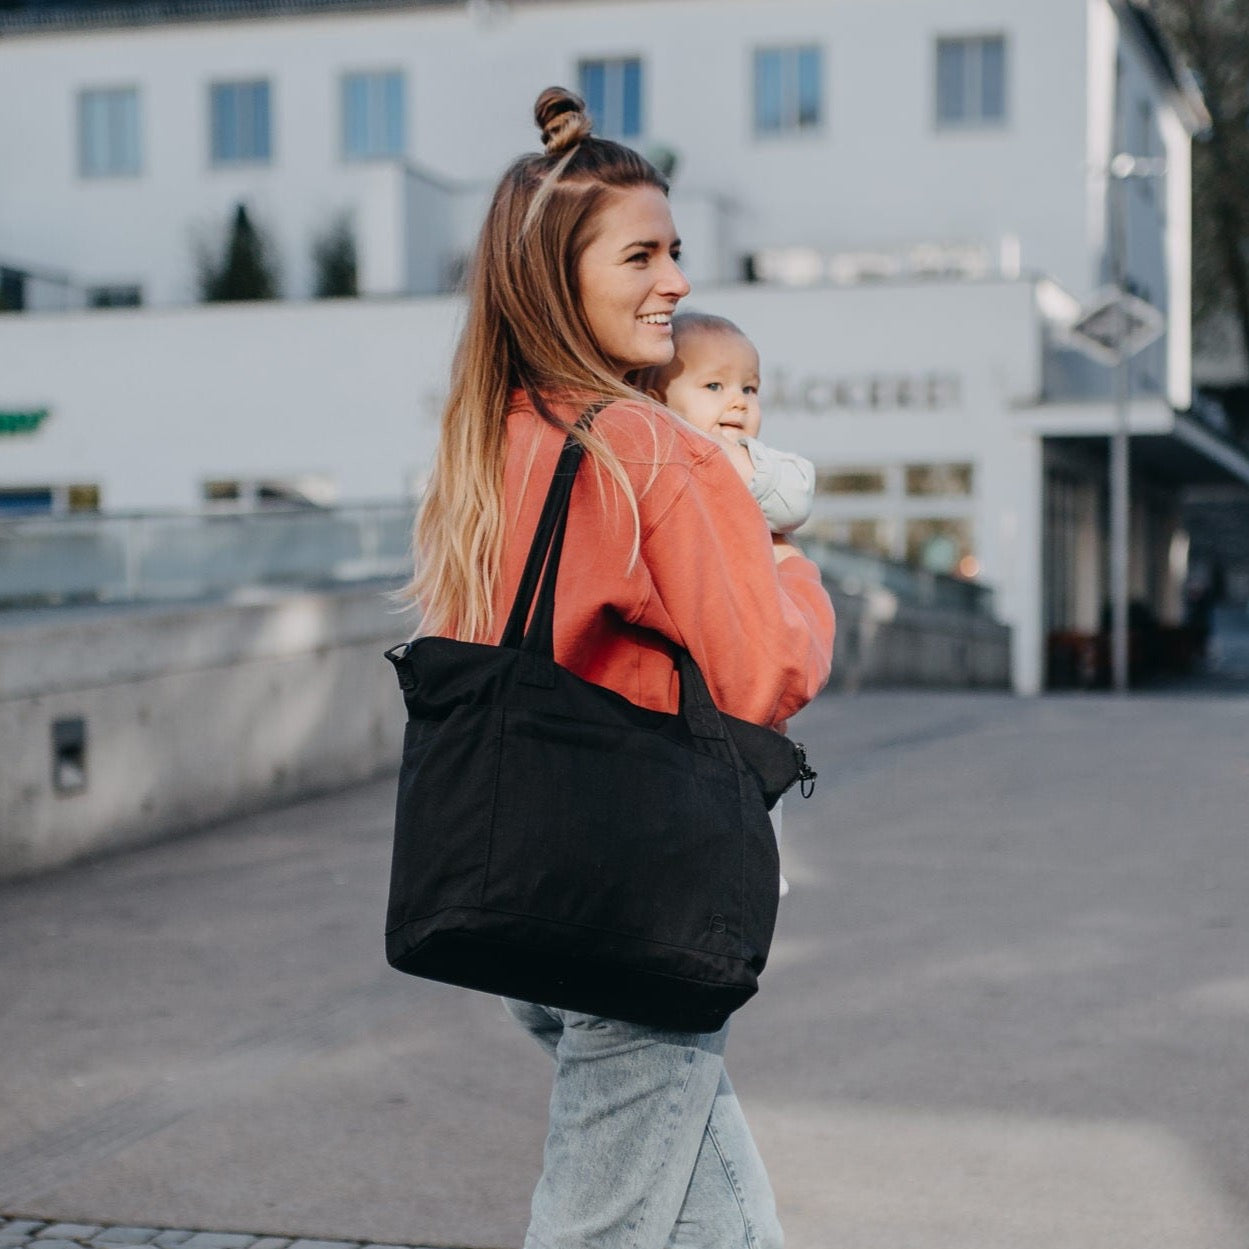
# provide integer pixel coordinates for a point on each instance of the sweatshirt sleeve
(761, 632)
(783, 486)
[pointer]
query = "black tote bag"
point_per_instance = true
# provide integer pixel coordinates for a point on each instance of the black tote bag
(556, 843)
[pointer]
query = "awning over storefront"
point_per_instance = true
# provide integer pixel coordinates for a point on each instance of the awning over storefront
(1170, 446)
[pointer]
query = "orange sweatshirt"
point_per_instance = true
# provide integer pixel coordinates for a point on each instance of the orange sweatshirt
(706, 578)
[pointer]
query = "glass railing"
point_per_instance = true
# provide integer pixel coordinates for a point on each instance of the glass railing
(154, 556)
(857, 572)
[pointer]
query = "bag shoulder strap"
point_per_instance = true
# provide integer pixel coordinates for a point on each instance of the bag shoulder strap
(697, 707)
(544, 554)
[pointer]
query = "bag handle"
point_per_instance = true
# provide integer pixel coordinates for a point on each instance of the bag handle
(697, 707)
(544, 553)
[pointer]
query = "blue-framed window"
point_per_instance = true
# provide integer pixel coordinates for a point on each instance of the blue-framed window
(241, 122)
(789, 89)
(373, 115)
(971, 82)
(612, 90)
(108, 133)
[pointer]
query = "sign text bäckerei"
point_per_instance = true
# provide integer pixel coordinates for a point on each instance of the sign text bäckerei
(902, 392)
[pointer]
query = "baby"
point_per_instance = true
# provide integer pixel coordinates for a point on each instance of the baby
(713, 382)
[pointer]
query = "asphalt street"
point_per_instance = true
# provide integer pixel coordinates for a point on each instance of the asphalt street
(1008, 1007)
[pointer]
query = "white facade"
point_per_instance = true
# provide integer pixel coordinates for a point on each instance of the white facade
(877, 173)
(931, 397)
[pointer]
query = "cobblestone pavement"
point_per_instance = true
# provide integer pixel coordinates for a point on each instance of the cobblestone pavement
(36, 1234)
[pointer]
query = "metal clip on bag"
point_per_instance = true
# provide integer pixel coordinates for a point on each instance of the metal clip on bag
(556, 843)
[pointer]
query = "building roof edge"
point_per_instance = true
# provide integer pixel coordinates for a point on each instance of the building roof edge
(1179, 81)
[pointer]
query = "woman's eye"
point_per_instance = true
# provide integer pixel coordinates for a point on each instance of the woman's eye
(675, 254)
(639, 256)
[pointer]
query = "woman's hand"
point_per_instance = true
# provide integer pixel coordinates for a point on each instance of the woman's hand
(783, 548)
(738, 455)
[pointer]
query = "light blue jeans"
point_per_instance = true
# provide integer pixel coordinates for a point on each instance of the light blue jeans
(647, 1147)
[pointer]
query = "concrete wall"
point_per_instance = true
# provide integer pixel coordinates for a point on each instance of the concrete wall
(200, 713)
(192, 715)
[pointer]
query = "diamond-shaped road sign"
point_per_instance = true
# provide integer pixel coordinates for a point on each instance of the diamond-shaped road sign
(1114, 326)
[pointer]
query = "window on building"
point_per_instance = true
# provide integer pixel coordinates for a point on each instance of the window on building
(373, 115)
(82, 498)
(850, 481)
(12, 290)
(612, 90)
(240, 122)
(27, 500)
(249, 494)
(49, 499)
(108, 133)
(971, 81)
(114, 296)
(788, 90)
(939, 479)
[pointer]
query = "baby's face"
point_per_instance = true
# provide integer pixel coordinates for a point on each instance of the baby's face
(716, 387)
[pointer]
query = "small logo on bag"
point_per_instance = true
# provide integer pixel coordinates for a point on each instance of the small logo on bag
(718, 924)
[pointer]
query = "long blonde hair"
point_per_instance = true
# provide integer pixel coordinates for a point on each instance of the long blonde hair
(526, 330)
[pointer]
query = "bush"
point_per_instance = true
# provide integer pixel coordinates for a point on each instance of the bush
(245, 270)
(334, 258)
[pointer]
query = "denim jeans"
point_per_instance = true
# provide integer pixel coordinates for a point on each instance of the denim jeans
(647, 1147)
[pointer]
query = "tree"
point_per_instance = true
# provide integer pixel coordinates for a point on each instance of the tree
(334, 258)
(1213, 36)
(246, 270)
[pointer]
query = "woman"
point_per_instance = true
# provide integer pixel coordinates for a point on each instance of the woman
(572, 291)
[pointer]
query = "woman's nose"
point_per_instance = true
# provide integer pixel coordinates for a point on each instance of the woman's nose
(673, 282)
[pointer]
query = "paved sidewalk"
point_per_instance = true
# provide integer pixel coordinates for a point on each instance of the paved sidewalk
(33, 1234)
(1008, 1008)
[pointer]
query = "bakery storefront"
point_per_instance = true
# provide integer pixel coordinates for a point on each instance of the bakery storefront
(924, 409)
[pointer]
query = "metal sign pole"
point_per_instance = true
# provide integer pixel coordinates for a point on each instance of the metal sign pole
(1120, 514)
(1120, 502)
(1112, 328)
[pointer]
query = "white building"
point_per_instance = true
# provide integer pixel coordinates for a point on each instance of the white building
(918, 190)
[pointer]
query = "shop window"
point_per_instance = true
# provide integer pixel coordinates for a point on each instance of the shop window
(936, 480)
(612, 90)
(788, 90)
(850, 481)
(108, 133)
(240, 122)
(373, 108)
(114, 296)
(971, 82)
(942, 545)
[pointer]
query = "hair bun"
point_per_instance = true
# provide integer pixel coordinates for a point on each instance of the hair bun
(561, 117)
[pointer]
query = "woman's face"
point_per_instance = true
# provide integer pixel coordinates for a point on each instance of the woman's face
(630, 280)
